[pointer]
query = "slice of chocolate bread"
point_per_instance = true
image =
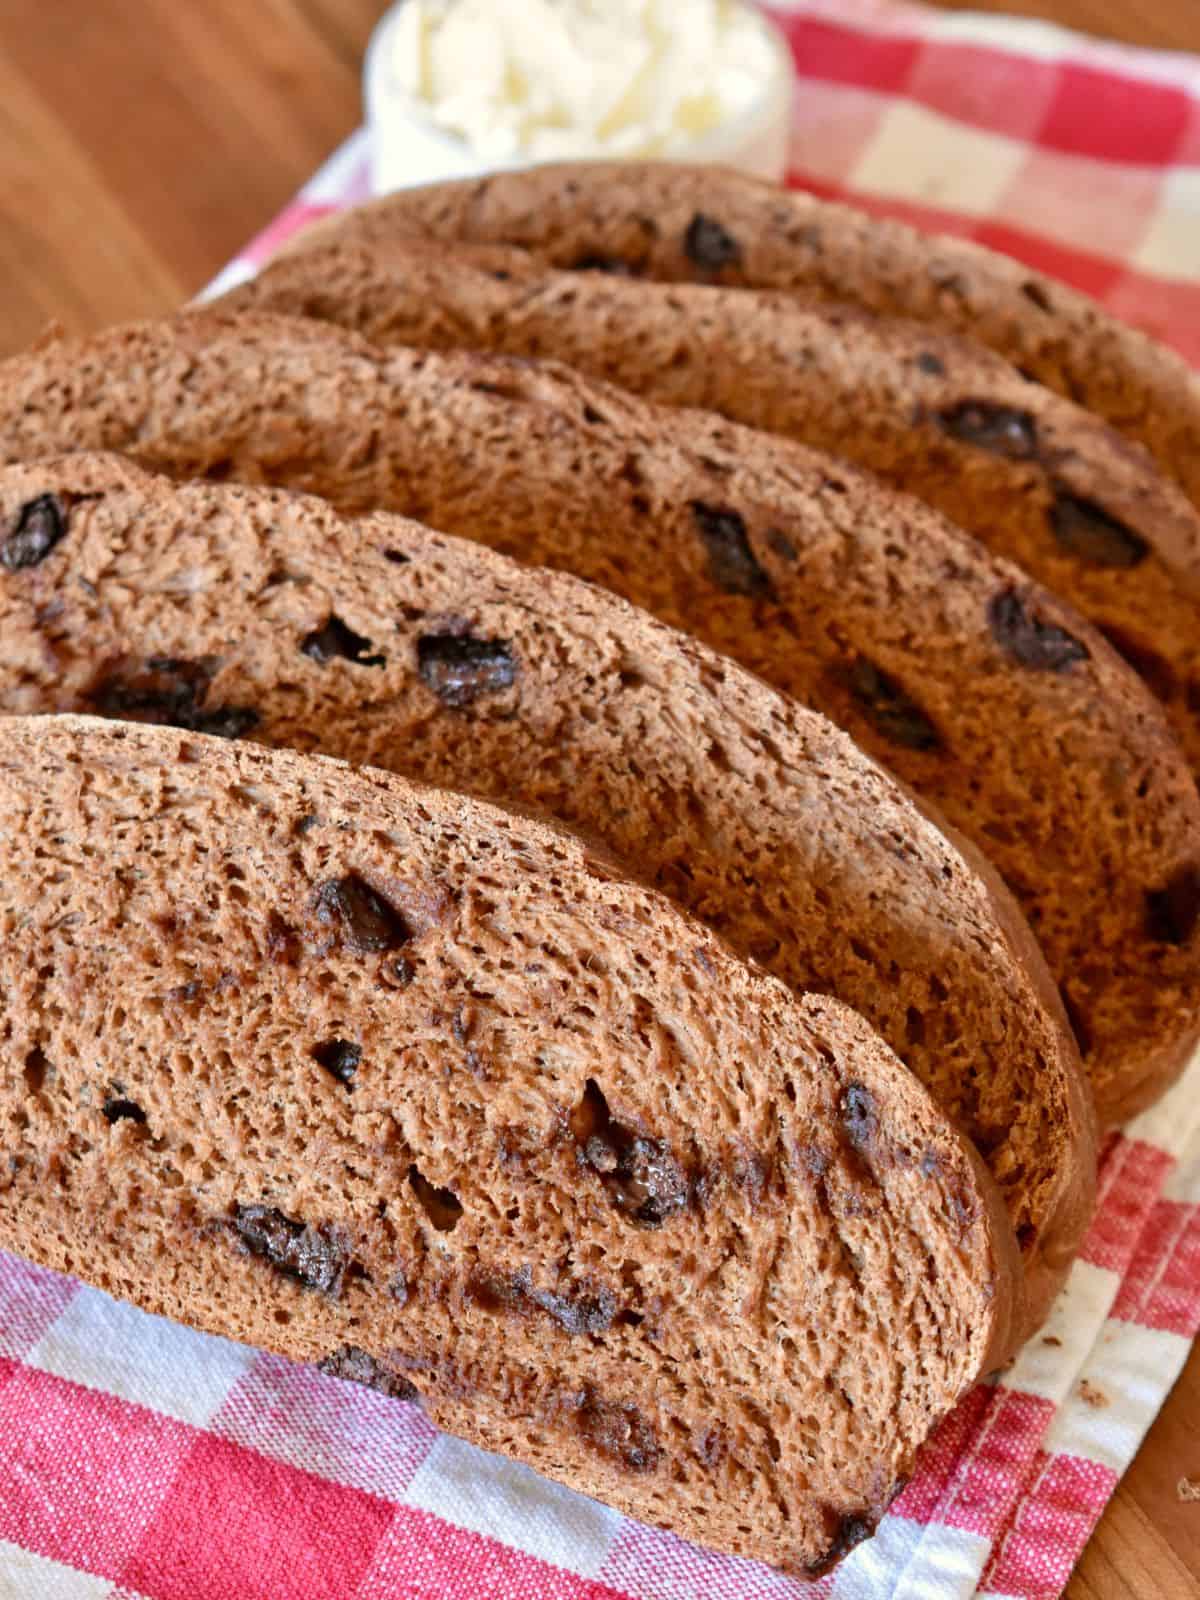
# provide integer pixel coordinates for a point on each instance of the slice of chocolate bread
(611, 1201)
(249, 612)
(1035, 477)
(987, 694)
(706, 225)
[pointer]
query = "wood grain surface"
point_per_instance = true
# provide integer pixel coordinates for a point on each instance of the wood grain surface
(142, 142)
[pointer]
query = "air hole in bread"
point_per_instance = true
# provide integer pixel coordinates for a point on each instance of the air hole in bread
(119, 1109)
(613, 265)
(1173, 912)
(441, 1206)
(37, 1070)
(335, 640)
(281, 575)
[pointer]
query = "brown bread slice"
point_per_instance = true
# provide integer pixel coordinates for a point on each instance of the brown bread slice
(987, 694)
(709, 225)
(249, 613)
(655, 1227)
(1038, 479)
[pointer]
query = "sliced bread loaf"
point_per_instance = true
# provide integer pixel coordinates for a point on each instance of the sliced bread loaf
(249, 612)
(1035, 477)
(657, 1228)
(986, 693)
(703, 224)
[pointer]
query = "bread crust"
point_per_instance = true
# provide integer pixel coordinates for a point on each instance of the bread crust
(643, 217)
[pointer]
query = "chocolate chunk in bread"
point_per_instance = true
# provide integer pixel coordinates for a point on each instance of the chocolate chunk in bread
(459, 668)
(731, 561)
(340, 1058)
(745, 807)
(356, 1366)
(1070, 780)
(33, 532)
(167, 690)
(984, 424)
(314, 1254)
(708, 245)
(819, 251)
(1034, 476)
(1030, 640)
(360, 914)
(1173, 912)
(1098, 539)
(893, 713)
(821, 1330)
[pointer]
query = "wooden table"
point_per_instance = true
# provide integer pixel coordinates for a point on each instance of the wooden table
(143, 141)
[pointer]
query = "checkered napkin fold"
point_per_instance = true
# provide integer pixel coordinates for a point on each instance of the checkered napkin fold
(139, 1459)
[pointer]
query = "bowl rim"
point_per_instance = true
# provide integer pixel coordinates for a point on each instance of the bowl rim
(385, 101)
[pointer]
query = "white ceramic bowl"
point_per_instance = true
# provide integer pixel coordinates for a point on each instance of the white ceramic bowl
(408, 149)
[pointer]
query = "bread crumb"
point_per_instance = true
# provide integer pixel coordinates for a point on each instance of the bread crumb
(1052, 1339)
(1188, 1489)
(1092, 1395)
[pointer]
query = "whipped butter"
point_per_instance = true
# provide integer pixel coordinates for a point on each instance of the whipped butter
(546, 80)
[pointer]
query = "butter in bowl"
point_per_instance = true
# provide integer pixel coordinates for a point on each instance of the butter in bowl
(459, 87)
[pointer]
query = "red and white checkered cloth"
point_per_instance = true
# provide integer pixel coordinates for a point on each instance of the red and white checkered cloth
(138, 1459)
